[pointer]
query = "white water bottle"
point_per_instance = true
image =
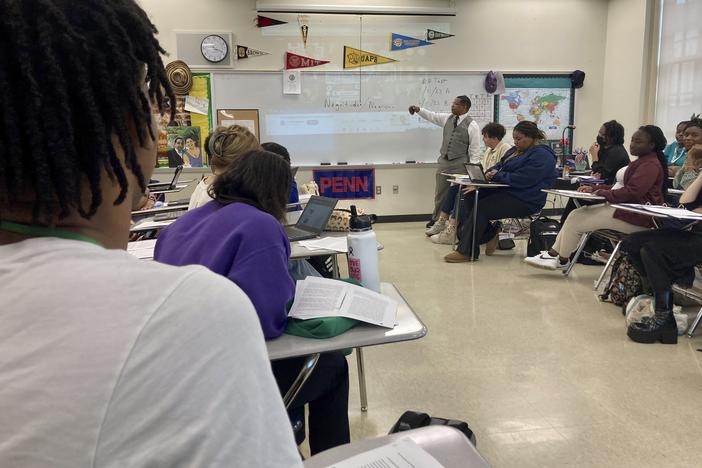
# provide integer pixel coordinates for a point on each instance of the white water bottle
(363, 251)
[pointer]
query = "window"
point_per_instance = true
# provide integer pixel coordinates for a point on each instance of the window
(679, 88)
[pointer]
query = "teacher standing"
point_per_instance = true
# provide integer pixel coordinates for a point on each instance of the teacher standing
(460, 145)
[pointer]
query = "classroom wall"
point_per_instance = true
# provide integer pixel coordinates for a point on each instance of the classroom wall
(506, 35)
(625, 75)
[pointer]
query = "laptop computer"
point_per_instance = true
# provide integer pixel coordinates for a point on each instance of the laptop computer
(313, 219)
(476, 174)
(167, 185)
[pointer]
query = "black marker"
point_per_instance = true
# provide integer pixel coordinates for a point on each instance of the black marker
(342, 163)
(325, 164)
(410, 162)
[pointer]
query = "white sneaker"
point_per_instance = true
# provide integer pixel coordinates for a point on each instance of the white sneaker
(438, 226)
(447, 236)
(546, 261)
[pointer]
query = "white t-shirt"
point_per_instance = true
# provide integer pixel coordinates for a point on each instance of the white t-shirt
(109, 361)
(199, 196)
(619, 182)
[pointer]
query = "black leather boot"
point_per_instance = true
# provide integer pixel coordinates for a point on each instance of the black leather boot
(661, 327)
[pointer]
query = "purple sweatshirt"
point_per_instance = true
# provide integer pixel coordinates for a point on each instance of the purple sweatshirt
(241, 242)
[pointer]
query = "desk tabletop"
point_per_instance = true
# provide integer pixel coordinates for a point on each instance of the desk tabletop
(409, 327)
(469, 183)
(674, 191)
(177, 188)
(162, 209)
(657, 211)
(573, 194)
(148, 224)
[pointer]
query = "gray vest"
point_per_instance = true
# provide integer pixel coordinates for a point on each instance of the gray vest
(456, 140)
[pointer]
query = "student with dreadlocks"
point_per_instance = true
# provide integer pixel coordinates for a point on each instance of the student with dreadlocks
(106, 360)
(645, 181)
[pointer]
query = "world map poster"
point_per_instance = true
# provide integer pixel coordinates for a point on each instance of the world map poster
(549, 108)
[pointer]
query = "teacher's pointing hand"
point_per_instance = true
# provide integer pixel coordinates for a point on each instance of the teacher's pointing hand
(413, 109)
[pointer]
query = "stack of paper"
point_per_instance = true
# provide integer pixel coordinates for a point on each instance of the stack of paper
(142, 249)
(404, 453)
(322, 297)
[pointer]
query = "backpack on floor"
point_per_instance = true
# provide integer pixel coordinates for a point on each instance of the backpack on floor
(624, 283)
(542, 235)
(414, 419)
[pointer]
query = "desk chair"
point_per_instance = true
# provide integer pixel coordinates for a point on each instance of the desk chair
(615, 237)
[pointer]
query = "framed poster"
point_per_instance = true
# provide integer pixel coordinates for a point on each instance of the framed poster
(245, 117)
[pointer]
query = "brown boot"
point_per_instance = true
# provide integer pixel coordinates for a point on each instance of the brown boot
(457, 257)
(491, 245)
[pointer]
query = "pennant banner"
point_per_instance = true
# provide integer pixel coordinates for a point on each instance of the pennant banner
(354, 58)
(304, 22)
(298, 61)
(263, 21)
(434, 35)
(243, 52)
(399, 42)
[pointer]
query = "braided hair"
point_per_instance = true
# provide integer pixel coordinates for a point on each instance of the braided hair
(71, 77)
(656, 136)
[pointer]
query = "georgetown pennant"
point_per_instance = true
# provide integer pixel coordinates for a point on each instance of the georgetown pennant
(435, 35)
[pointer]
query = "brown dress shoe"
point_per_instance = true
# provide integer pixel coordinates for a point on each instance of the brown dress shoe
(491, 245)
(457, 257)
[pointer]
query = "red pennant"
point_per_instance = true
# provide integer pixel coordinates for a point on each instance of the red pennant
(263, 21)
(299, 61)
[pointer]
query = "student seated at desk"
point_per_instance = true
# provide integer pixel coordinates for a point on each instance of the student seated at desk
(690, 170)
(527, 168)
(664, 257)
(444, 230)
(222, 146)
(644, 182)
(106, 360)
(676, 152)
(282, 151)
(239, 235)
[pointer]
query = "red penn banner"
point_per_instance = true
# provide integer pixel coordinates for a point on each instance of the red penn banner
(293, 61)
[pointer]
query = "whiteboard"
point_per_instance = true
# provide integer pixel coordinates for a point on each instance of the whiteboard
(352, 117)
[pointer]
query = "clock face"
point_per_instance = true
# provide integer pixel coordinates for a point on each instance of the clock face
(214, 48)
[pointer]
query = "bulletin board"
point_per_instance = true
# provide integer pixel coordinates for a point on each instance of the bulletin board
(245, 117)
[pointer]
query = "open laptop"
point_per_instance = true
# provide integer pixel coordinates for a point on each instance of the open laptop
(476, 174)
(167, 185)
(313, 219)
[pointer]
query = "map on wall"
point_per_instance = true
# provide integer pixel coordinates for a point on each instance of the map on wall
(549, 108)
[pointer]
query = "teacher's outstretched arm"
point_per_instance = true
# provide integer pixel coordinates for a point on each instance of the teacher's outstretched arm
(437, 118)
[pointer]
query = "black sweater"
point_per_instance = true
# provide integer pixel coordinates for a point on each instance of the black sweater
(610, 161)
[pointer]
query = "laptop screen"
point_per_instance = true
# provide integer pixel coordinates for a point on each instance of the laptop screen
(317, 213)
(475, 172)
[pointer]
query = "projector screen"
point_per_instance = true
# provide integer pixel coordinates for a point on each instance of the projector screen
(352, 117)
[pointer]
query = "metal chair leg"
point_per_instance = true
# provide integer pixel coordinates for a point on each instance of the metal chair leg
(581, 246)
(362, 379)
(305, 372)
(693, 327)
(607, 265)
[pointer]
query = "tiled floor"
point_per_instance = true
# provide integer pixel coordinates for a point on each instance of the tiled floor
(541, 370)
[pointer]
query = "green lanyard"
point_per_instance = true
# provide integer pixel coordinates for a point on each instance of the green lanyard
(41, 231)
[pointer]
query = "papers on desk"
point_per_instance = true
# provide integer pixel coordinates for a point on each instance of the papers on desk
(667, 211)
(142, 249)
(575, 194)
(322, 297)
(587, 180)
(338, 244)
(404, 453)
(149, 224)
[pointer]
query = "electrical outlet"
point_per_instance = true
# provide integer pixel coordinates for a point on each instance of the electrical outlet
(395, 189)
(378, 190)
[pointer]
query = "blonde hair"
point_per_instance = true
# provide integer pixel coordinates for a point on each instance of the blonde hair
(226, 144)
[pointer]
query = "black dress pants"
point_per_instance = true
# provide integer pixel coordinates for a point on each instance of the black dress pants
(492, 204)
(664, 256)
(327, 394)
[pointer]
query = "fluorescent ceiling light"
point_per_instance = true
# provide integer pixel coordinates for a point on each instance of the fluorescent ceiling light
(271, 7)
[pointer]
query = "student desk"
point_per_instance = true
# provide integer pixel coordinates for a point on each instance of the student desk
(409, 327)
(575, 195)
(457, 206)
(447, 445)
(148, 224)
(162, 209)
